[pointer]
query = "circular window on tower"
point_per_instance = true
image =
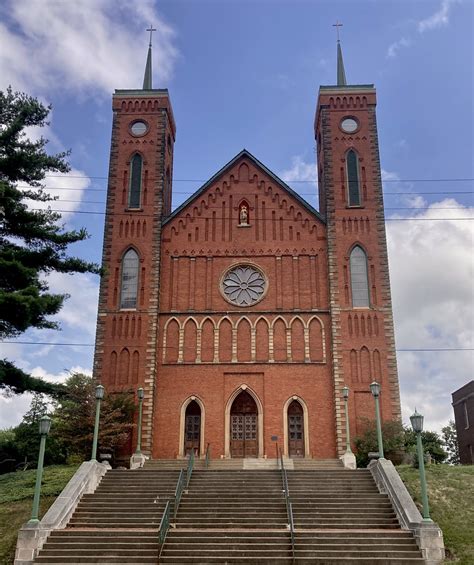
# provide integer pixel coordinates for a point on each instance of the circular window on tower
(349, 125)
(243, 285)
(138, 128)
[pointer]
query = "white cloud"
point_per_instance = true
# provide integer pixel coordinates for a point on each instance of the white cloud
(85, 47)
(80, 310)
(13, 408)
(393, 49)
(69, 188)
(439, 19)
(61, 377)
(300, 170)
(431, 267)
(388, 175)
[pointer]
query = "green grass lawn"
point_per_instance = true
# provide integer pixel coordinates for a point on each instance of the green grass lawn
(451, 496)
(16, 497)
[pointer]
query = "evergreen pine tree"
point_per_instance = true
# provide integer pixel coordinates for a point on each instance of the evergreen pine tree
(32, 242)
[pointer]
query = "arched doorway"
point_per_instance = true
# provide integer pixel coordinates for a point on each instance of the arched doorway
(296, 431)
(244, 426)
(192, 429)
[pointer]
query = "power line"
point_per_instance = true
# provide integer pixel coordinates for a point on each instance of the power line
(421, 208)
(459, 179)
(219, 218)
(402, 350)
(187, 192)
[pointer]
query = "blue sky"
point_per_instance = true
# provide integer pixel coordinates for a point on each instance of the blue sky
(246, 74)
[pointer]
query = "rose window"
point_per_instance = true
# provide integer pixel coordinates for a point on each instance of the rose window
(244, 285)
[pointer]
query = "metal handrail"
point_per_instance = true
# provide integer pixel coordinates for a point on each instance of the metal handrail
(178, 493)
(164, 526)
(208, 456)
(190, 467)
(289, 506)
(181, 486)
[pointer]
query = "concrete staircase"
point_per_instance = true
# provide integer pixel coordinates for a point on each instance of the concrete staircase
(239, 516)
(339, 499)
(119, 523)
(231, 514)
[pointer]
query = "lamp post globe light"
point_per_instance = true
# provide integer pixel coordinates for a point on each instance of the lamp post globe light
(417, 424)
(345, 394)
(375, 389)
(141, 396)
(44, 427)
(99, 395)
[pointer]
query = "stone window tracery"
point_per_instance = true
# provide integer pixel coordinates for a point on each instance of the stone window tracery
(243, 285)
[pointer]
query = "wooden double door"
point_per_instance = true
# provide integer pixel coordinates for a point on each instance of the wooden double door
(244, 427)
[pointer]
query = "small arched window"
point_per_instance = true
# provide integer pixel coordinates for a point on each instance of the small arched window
(134, 197)
(353, 182)
(359, 278)
(129, 285)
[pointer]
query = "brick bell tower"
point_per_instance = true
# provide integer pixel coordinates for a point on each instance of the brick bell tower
(138, 196)
(351, 199)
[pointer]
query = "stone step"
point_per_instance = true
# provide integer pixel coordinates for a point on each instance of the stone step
(269, 551)
(102, 552)
(103, 533)
(120, 544)
(236, 543)
(198, 560)
(62, 560)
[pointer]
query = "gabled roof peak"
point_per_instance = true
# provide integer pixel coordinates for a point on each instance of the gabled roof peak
(247, 155)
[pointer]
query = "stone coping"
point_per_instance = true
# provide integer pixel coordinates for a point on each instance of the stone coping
(32, 537)
(428, 535)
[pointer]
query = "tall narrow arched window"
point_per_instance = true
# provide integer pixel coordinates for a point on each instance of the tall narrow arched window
(129, 285)
(353, 182)
(134, 197)
(359, 278)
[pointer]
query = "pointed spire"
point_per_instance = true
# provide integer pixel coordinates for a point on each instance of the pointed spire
(341, 73)
(147, 79)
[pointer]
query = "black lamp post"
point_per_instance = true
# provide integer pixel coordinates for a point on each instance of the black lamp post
(99, 395)
(141, 396)
(44, 427)
(417, 424)
(345, 394)
(375, 390)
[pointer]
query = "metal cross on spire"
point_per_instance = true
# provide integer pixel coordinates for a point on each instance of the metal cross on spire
(341, 73)
(337, 25)
(151, 29)
(147, 79)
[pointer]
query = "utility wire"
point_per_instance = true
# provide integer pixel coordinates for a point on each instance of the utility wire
(244, 193)
(296, 180)
(403, 350)
(421, 208)
(141, 215)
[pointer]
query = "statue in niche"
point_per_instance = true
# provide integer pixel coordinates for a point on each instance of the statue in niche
(244, 215)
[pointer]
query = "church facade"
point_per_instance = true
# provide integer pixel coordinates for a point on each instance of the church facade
(245, 311)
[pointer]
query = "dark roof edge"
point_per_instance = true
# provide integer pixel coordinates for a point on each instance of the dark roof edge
(244, 153)
(141, 92)
(347, 87)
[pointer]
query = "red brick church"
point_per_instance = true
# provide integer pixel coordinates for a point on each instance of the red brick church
(245, 311)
